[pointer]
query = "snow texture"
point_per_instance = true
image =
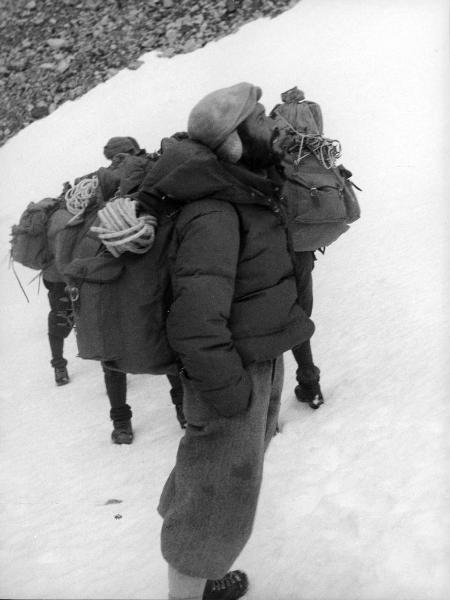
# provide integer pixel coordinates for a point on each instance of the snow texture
(354, 503)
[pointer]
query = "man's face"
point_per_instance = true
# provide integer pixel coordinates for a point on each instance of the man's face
(257, 133)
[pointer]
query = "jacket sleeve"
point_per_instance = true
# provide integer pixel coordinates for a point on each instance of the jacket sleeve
(204, 272)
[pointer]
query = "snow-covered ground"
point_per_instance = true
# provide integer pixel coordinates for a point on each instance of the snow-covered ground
(353, 504)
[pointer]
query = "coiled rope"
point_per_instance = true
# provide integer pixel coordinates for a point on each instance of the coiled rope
(122, 231)
(326, 150)
(78, 197)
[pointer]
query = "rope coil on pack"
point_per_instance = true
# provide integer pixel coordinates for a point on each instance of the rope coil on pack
(78, 197)
(326, 150)
(122, 231)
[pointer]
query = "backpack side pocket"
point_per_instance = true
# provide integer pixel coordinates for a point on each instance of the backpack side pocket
(352, 207)
(93, 286)
(318, 216)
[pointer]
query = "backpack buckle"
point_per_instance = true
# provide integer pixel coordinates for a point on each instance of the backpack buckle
(314, 193)
(74, 293)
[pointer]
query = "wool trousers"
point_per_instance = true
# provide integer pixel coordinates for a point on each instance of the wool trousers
(307, 371)
(209, 501)
(60, 320)
(116, 389)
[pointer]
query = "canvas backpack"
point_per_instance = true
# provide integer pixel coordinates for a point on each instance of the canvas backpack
(120, 303)
(29, 243)
(124, 175)
(319, 196)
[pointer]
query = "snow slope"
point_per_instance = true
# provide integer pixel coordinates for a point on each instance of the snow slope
(354, 504)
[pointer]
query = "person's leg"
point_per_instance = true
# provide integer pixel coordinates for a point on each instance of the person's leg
(308, 377)
(274, 400)
(176, 393)
(209, 501)
(303, 266)
(60, 323)
(120, 412)
(307, 374)
(184, 587)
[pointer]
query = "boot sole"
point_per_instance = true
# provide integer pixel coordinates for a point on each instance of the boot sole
(119, 441)
(63, 382)
(310, 402)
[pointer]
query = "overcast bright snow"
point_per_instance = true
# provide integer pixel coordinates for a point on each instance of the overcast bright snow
(353, 504)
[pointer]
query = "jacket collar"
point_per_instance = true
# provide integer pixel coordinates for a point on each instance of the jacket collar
(189, 171)
(265, 184)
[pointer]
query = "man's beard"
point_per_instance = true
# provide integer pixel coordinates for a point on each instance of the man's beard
(258, 154)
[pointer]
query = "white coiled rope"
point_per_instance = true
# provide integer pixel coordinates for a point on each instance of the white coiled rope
(78, 197)
(122, 231)
(326, 150)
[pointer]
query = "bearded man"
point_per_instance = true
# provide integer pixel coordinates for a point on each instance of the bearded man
(234, 313)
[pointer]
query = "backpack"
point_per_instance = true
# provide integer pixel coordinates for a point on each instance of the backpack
(120, 303)
(29, 243)
(124, 175)
(319, 197)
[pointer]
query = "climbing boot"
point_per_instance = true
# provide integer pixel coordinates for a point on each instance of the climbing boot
(231, 587)
(310, 393)
(122, 432)
(61, 376)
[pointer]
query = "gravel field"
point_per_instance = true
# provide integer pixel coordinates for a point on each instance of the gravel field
(52, 51)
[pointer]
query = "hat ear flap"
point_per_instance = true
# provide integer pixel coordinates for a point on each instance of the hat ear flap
(231, 149)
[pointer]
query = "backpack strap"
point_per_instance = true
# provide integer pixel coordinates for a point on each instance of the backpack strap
(11, 264)
(343, 175)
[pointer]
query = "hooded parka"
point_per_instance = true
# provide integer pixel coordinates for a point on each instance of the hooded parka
(234, 293)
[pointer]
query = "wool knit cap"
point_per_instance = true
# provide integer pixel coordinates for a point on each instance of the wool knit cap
(213, 121)
(117, 145)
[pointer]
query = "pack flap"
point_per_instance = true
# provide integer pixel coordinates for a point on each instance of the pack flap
(96, 269)
(311, 174)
